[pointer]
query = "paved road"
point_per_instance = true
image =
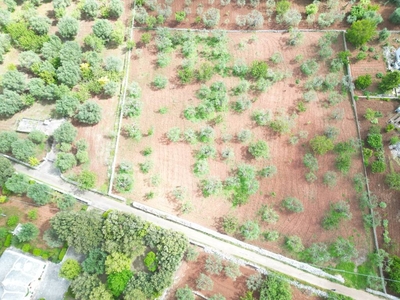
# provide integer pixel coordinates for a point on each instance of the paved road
(47, 174)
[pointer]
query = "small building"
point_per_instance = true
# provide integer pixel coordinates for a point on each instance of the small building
(48, 126)
(24, 277)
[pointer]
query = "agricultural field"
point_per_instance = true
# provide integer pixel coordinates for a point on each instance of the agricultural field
(230, 150)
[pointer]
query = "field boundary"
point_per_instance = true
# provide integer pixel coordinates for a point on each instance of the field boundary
(353, 104)
(121, 105)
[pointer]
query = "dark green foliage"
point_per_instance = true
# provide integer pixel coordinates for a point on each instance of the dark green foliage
(13, 80)
(40, 193)
(51, 238)
(37, 136)
(86, 180)
(242, 185)
(117, 282)
(65, 161)
(66, 133)
(389, 81)
(363, 81)
(94, 262)
(10, 103)
(375, 141)
(361, 32)
(17, 183)
(67, 106)
(6, 140)
(67, 202)
(395, 16)
(23, 149)
(83, 285)
(89, 113)
(337, 212)
(343, 163)
(293, 204)
(28, 232)
(6, 170)
(394, 274)
(103, 29)
(393, 180)
(275, 288)
(72, 227)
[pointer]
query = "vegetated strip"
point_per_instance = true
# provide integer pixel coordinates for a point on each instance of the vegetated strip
(242, 262)
(353, 104)
(227, 239)
(121, 105)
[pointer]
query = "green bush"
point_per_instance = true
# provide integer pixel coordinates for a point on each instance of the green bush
(12, 221)
(26, 247)
(321, 144)
(7, 242)
(293, 204)
(294, 243)
(62, 253)
(363, 81)
(160, 82)
(259, 149)
(337, 212)
(37, 252)
(250, 230)
(258, 69)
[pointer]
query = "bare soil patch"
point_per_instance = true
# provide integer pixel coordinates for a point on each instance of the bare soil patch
(173, 162)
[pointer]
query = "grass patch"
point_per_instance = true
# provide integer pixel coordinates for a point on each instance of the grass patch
(355, 277)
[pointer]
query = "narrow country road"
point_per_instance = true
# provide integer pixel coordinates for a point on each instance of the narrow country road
(47, 174)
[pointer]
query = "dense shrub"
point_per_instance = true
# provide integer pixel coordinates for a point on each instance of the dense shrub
(293, 204)
(23, 149)
(363, 81)
(41, 194)
(13, 80)
(66, 133)
(361, 32)
(90, 8)
(40, 25)
(103, 29)
(321, 144)
(68, 27)
(6, 140)
(389, 81)
(259, 149)
(115, 8)
(250, 230)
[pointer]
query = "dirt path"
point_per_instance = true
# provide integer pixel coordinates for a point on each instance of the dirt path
(47, 175)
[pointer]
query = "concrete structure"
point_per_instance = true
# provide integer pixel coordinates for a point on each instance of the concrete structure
(48, 127)
(23, 277)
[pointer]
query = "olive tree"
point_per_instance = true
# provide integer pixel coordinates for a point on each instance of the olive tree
(41, 194)
(115, 8)
(103, 29)
(90, 8)
(66, 133)
(67, 106)
(28, 58)
(211, 17)
(14, 80)
(40, 25)
(68, 27)
(89, 113)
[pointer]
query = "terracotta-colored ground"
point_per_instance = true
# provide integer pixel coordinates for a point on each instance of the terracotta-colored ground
(229, 13)
(188, 273)
(377, 181)
(20, 206)
(173, 162)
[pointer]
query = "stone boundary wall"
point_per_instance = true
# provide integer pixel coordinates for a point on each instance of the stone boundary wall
(231, 240)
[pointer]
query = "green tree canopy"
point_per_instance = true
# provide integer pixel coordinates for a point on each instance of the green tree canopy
(275, 288)
(6, 140)
(6, 170)
(81, 229)
(117, 262)
(70, 269)
(94, 262)
(83, 285)
(66, 133)
(17, 183)
(117, 282)
(40, 193)
(89, 113)
(361, 32)
(28, 232)
(389, 81)
(23, 149)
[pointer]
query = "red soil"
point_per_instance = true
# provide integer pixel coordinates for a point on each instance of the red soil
(189, 272)
(174, 161)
